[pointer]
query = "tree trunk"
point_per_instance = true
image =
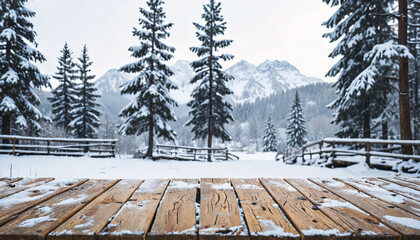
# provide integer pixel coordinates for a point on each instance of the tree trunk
(210, 120)
(404, 101)
(366, 117)
(6, 120)
(5, 130)
(385, 122)
(416, 95)
(366, 124)
(150, 140)
(385, 133)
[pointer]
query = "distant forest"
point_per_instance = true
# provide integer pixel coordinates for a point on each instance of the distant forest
(315, 98)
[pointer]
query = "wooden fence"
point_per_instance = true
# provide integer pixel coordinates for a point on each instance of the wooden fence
(20, 145)
(192, 154)
(368, 148)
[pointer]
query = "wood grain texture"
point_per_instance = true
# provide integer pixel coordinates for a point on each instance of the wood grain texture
(397, 189)
(6, 180)
(264, 209)
(263, 216)
(17, 203)
(310, 222)
(89, 221)
(176, 216)
(15, 187)
(377, 192)
(38, 221)
(391, 216)
(220, 217)
(134, 219)
(402, 183)
(351, 218)
(412, 180)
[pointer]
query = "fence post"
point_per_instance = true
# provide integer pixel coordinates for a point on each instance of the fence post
(86, 148)
(195, 153)
(368, 154)
(48, 147)
(320, 149)
(227, 154)
(113, 148)
(14, 146)
(408, 147)
(303, 154)
(333, 150)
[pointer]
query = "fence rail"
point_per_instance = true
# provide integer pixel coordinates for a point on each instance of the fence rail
(354, 147)
(22, 145)
(192, 154)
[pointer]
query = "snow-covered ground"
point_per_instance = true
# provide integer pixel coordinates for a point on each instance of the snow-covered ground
(249, 166)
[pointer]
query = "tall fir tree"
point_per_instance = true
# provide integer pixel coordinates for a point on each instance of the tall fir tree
(19, 77)
(296, 130)
(64, 96)
(85, 110)
(210, 109)
(152, 109)
(362, 86)
(270, 139)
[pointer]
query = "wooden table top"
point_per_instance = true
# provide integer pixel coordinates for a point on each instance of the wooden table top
(209, 208)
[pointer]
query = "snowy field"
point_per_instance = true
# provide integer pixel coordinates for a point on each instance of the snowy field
(249, 166)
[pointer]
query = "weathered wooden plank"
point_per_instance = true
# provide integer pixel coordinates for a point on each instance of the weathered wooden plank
(350, 217)
(176, 216)
(398, 189)
(399, 220)
(17, 203)
(135, 218)
(310, 222)
(402, 183)
(220, 217)
(38, 221)
(89, 221)
(411, 180)
(264, 218)
(6, 181)
(19, 186)
(391, 198)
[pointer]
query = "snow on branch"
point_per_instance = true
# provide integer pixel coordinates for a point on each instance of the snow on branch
(382, 55)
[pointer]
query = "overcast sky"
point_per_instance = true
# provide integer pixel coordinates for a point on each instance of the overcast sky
(261, 29)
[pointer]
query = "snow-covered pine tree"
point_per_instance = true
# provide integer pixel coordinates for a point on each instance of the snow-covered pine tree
(210, 109)
(359, 26)
(296, 130)
(19, 77)
(270, 139)
(64, 96)
(152, 108)
(85, 110)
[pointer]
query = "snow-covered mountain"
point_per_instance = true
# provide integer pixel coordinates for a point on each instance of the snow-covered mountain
(183, 74)
(251, 82)
(111, 81)
(269, 77)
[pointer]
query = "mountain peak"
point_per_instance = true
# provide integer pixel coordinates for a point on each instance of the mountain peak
(251, 82)
(244, 62)
(112, 70)
(280, 65)
(111, 81)
(181, 63)
(241, 66)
